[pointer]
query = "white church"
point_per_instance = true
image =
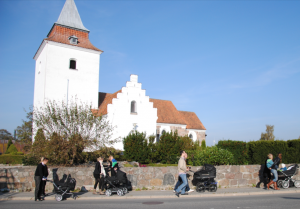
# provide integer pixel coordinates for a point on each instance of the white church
(67, 66)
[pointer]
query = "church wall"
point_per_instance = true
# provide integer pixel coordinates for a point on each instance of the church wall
(119, 112)
(83, 82)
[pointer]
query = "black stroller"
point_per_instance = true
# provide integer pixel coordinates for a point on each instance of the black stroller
(116, 184)
(285, 178)
(61, 189)
(204, 179)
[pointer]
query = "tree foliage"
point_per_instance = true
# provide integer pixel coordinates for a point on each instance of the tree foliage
(5, 135)
(64, 132)
(269, 135)
(12, 150)
(8, 146)
(24, 132)
(237, 148)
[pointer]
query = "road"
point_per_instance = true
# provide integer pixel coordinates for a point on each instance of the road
(238, 202)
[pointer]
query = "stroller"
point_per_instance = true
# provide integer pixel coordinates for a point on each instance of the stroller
(116, 184)
(285, 178)
(204, 179)
(61, 189)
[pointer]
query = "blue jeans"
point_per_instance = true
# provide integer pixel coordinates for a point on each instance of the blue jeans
(275, 174)
(178, 184)
(183, 185)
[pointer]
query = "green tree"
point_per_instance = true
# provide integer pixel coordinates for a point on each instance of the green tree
(8, 145)
(268, 136)
(24, 132)
(169, 147)
(136, 147)
(203, 144)
(12, 150)
(5, 135)
(153, 154)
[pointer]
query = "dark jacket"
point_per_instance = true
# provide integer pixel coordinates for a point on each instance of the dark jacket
(97, 168)
(41, 170)
(113, 173)
(276, 163)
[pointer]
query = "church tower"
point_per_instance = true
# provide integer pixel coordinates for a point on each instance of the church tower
(67, 63)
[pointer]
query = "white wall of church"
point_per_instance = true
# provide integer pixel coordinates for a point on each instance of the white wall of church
(120, 116)
(54, 79)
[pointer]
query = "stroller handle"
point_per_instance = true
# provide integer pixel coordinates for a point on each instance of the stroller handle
(49, 181)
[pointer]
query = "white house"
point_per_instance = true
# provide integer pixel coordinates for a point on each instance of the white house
(67, 67)
(130, 109)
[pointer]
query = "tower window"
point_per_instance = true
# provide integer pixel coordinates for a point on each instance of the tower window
(73, 40)
(73, 64)
(133, 107)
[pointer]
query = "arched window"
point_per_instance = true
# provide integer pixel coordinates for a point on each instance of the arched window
(73, 64)
(191, 136)
(133, 107)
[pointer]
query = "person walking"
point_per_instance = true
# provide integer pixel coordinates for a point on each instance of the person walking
(270, 164)
(187, 189)
(40, 176)
(182, 169)
(99, 174)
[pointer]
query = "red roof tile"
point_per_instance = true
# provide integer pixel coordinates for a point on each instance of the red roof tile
(61, 34)
(192, 120)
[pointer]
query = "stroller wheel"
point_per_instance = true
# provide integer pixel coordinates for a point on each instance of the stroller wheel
(297, 184)
(285, 184)
(125, 190)
(200, 187)
(212, 188)
(108, 192)
(120, 192)
(279, 183)
(58, 197)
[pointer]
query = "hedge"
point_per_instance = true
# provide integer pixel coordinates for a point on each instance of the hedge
(237, 148)
(11, 159)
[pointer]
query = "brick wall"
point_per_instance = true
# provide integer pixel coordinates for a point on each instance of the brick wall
(22, 177)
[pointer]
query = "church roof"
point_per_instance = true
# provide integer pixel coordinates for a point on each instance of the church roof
(70, 17)
(166, 111)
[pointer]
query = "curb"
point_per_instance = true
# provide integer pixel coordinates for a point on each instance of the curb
(162, 196)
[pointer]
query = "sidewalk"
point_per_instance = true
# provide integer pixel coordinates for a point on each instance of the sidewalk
(154, 194)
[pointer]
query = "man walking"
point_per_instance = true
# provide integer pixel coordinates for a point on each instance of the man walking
(182, 169)
(40, 175)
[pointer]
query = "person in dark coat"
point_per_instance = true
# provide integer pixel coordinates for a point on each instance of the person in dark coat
(43, 183)
(112, 163)
(40, 175)
(119, 175)
(277, 161)
(99, 174)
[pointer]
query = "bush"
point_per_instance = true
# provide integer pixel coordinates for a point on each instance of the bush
(20, 153)
(169, 147)
(8, 145)
(30, 160)
(136, 147)
(258, 151)
(12, 150)
(237, 148)
(203, 145)
(10, 159)
(211, 155)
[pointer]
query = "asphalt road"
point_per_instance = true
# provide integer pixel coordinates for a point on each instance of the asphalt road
(238, 202)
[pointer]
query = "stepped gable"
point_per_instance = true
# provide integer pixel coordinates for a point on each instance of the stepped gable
(192, 120)
(106, 100)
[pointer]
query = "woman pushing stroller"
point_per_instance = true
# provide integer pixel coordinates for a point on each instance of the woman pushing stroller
(272, 166)
(99, 174)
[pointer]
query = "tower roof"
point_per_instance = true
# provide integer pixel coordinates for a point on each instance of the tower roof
(70, 17)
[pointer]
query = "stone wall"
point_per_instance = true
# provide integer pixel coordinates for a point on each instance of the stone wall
(22, 177)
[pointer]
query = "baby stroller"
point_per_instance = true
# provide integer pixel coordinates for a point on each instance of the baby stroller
(204, 179)
(285, 178)
(116, 184)
(60, 189)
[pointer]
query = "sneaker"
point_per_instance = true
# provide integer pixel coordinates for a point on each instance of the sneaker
(185, 193)
(177, 194)
(191, 190)
(174, 191)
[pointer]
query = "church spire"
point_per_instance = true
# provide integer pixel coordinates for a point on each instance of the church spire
(70, 17)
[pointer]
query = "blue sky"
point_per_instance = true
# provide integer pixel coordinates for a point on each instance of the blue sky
(235, 63)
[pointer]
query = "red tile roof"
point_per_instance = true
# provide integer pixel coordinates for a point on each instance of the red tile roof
(192, 120)
(61, 34)
(166, 112)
